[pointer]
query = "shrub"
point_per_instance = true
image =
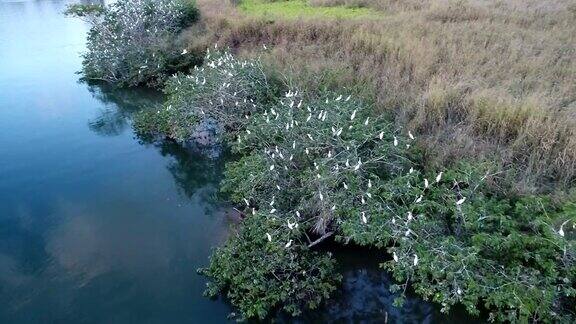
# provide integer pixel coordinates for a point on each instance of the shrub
(225, 89)
(456, 243)
(260, 274)
(321, 166)
(314, 158)
(134, 42)
(347, 173)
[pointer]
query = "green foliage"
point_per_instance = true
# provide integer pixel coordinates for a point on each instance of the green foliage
(503, 253)
(326, 166)
(260, 275)
(134, 42)
(225, 89)
(317, 159)
(301, 8)
(84, 10)
(450, 237)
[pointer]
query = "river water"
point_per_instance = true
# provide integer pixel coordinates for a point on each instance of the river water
(97, 227)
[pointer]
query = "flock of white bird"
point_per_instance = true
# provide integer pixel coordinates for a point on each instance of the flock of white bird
(279, 156)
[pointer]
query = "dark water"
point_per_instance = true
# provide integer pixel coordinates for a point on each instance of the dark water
(96, 227)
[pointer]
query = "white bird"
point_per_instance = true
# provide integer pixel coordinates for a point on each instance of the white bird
(366, 122)
(410, 217)
(246, 201)
(395, 141)
(184, 51)
(272, 167)
(272, 202)
(358, 165)
(321, 196)
(353, 115)
(369, 183)
(459, 291)
(288, 244)
(439, 177)
(425, 183)
(561, 231)
(461, 201)
(269, 237)
(339, 132)
(345, 185)
(394, 256)
(348, 98)
(298, 214)
(310, 137)
(363, 200)
(410, 135)
(419, 199)
(415, 260)
(272, 211)
(292, 226)
(364, 219)
(411, 170)
(381, 136)
(339, 98)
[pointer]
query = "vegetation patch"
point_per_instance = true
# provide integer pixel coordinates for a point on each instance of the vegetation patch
(302, 9)
(322, 165)
(225, 89)
(265, 267)
(134, 42)
(481, 79)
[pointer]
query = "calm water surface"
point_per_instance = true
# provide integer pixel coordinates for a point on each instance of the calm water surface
(96, 227)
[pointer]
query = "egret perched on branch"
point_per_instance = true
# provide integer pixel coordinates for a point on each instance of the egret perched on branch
(439, 177)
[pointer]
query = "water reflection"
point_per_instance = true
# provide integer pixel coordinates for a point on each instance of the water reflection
(115, 117)
(118, 106)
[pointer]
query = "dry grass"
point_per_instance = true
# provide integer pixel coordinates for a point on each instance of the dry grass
(476, 79)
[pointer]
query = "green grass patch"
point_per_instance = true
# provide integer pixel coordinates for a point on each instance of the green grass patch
(302, 9)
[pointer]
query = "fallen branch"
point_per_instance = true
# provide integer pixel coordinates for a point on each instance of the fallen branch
(320, 239)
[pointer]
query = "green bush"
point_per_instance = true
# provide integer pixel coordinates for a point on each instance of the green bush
(321, 166)
(265, 266)
(134, 42)
(225, 89)
(330, 167)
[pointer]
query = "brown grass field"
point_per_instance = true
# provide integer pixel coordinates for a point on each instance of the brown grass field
(476, 80)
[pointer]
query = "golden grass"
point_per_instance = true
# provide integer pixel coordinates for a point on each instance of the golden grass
(475, 79)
